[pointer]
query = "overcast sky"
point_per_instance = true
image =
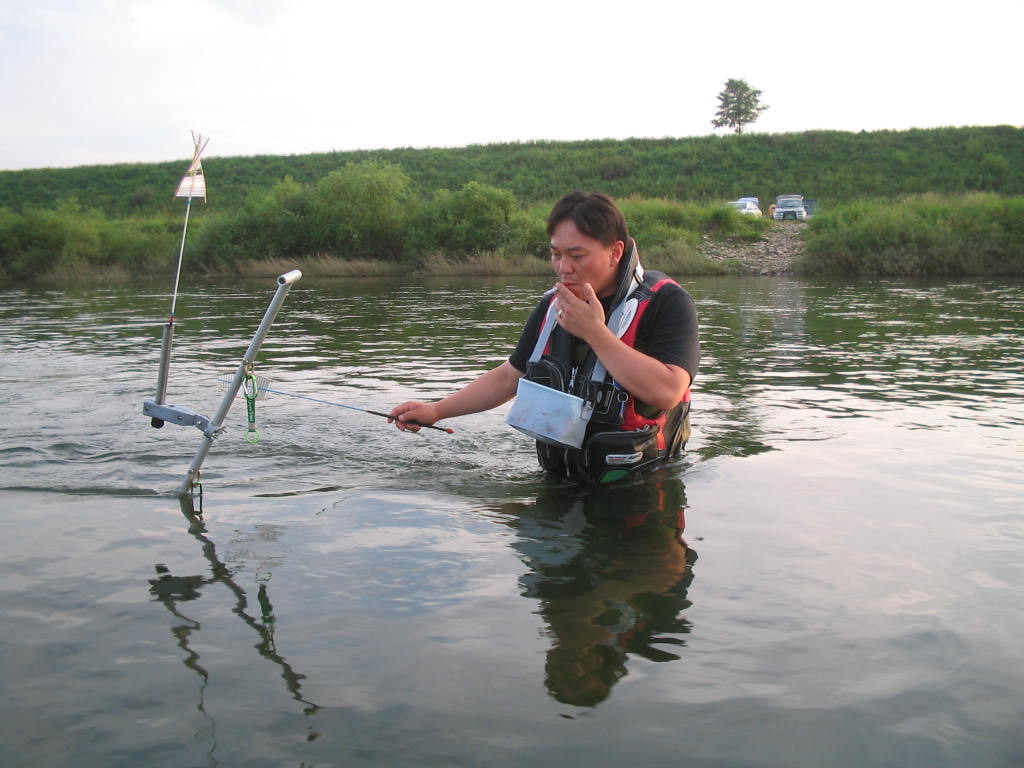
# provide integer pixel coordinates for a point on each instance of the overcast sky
(105, 81)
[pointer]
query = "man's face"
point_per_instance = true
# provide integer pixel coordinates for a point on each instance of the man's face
(579, 259)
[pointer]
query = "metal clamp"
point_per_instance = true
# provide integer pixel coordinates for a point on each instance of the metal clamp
(176, 414)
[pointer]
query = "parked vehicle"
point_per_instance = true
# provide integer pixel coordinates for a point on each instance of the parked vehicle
(747, 206)
(789, 207)
(810, 207)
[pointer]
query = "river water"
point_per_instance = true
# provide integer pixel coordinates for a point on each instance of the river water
(832, 576)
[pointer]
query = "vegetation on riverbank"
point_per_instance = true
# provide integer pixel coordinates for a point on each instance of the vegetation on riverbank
(482, 209)
(980, 234)
(362, 219)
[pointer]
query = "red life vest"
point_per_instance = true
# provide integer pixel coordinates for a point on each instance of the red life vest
(631, 420)
(607, 394)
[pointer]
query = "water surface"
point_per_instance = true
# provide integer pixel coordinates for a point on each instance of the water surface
(830, 577)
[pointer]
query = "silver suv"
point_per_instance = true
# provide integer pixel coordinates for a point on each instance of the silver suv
(790, 207)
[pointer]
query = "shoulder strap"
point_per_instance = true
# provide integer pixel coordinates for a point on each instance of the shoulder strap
(618, 321)
(545, 329)
(622, 314)
(642, 288)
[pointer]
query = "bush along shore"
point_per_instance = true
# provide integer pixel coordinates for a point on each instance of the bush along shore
(926, 235)
(979, 234)
(366, 219)
(363, 219)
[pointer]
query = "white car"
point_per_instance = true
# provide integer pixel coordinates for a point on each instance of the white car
(748, 207)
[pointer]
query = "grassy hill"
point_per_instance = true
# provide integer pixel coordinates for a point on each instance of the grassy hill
(831, 166)
(936, 201)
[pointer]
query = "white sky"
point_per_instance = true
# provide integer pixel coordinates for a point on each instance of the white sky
(105, 81)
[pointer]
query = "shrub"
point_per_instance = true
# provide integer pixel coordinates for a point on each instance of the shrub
(474, 219)
(139, 245)
(926, 235)
(527, 233)
(659, 221)
(32, 243)
(360, 211)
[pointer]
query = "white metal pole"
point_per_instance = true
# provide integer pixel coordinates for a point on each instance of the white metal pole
(284, 284)
(168, 336)
(181, 253)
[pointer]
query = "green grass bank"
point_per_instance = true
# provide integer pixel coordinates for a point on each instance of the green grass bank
(936, 201)
(978, 234)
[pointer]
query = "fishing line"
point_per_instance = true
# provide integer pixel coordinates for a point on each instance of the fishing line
(263, 386)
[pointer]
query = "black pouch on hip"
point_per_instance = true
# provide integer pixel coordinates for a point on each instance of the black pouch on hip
(609, 456)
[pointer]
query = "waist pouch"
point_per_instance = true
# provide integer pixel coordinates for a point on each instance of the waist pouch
(609, 456)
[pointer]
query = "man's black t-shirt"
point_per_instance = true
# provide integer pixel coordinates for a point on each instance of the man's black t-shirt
(667, 332)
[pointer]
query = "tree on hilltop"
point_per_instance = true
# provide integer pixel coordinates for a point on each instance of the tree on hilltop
(738, 105)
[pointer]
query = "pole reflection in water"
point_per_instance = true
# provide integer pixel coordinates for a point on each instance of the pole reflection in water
(611, 571)
(173, 590)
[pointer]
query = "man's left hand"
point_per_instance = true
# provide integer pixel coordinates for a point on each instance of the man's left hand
(580, 317)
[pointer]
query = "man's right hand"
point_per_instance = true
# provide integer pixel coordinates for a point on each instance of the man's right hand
(422, 414)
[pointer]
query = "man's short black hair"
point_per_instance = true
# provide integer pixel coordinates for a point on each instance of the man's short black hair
(595, 215)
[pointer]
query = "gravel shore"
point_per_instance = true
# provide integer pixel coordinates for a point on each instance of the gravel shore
(772, 255)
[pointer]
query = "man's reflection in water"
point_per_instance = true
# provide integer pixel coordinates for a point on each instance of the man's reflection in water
(611, 571)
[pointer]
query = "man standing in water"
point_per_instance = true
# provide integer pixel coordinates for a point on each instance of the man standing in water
(641, 405)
